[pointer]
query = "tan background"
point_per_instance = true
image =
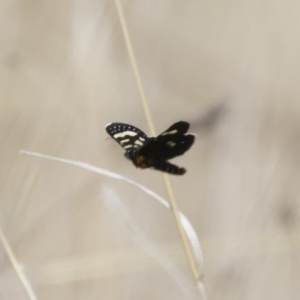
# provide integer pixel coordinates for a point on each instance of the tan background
(230, 68)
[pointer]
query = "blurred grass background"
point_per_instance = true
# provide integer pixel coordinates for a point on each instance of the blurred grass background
(230, 68)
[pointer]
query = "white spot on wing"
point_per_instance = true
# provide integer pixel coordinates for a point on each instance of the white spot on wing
(127, 146)
(124, 141)
(170, 132)
(138, 143)
(124, 133)
(171, 144)
(142, 139)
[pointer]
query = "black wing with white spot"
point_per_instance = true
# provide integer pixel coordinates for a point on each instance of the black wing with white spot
(178, 128)
(128, 136)
(171, 143)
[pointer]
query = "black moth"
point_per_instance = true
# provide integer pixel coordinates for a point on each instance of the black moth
(153, 152)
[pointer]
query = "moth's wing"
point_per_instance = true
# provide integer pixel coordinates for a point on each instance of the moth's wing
(180, 127)
(169, 144)
(127, 136)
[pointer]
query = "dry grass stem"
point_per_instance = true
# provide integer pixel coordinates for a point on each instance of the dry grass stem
(21, 276)
(134, 65)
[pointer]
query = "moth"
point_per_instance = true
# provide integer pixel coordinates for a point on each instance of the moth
(153, 152)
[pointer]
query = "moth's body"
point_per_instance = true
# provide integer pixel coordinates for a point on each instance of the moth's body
(140, 161)
(153, 152)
